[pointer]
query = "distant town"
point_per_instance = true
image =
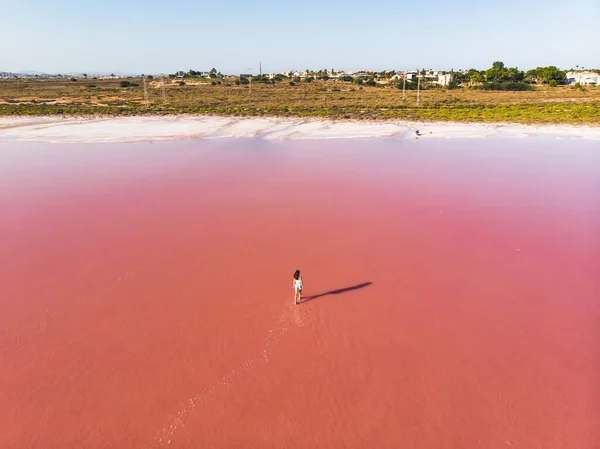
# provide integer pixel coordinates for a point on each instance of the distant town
(452, 78)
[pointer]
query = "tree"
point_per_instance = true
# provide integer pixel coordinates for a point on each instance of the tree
(213, 73)
(530, 76)
(547, 74)
(475, 76)
(458, 77)
(552, 83)
(500, 73)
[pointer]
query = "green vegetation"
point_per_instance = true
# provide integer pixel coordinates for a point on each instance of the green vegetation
(507, 85)
(498, 73)
(319, 98)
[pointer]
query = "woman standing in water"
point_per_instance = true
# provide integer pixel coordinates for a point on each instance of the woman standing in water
(297, 287)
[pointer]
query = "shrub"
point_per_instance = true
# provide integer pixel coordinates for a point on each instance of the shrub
(308, 79)
(237, 82)
(409, 85)
(346, 78)
(128, 84)
(90, 86)
(73, 79)
(357, 81)
(213, 83)
(244, 80)
(371, 83)
(552, 83)
(182, 83)
(292, 83)
(150, 77)
(508, 86)
(296, 79)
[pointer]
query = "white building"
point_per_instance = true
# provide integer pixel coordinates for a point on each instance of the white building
(583, 77)
(444, 80)
(408, 75)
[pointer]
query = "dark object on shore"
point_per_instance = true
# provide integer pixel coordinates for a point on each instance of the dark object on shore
(417, 132)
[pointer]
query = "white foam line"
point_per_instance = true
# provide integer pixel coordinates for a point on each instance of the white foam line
(178, 419)
(135, 129)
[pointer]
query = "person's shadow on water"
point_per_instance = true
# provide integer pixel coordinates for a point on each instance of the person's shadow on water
(336, 292)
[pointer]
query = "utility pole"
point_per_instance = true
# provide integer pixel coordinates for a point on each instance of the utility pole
(145, 92)
(404, 86)
(164, 93)
(259, 68)
(418, 86)
(250, 80)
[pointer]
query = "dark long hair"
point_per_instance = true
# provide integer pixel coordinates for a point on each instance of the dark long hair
(297, 274)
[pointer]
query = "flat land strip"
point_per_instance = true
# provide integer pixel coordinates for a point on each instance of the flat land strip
(325, 99)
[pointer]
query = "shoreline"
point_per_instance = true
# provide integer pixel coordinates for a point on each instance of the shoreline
(177, 127)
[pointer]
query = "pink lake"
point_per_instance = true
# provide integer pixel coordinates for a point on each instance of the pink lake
(452, 294)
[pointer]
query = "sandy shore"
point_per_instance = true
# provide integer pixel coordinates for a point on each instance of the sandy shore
(132, 129)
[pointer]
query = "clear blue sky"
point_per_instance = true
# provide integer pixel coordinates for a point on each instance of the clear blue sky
(234, 35)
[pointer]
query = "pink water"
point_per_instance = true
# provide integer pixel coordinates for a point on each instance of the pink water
(452, 290)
